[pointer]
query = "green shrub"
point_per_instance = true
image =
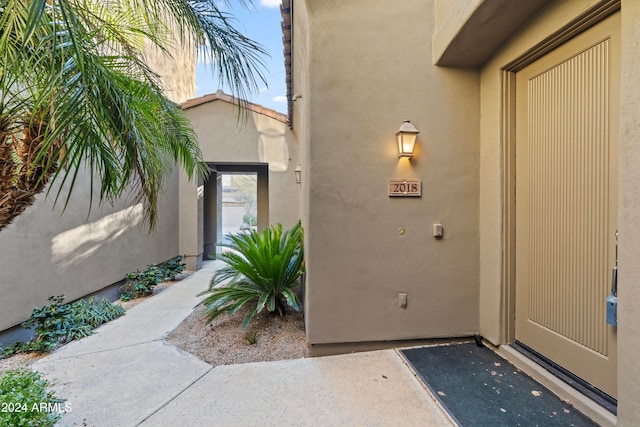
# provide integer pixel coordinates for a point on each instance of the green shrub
(262, 269)
(141, 283)
(173, 267)
(33, 346)
(58, 323)
(22, 396)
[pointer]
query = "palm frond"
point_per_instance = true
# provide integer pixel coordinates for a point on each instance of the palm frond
(74, 78)
(261, 269)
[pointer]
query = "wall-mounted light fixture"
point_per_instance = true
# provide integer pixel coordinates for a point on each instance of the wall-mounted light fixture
(406, 136)
(298, 172)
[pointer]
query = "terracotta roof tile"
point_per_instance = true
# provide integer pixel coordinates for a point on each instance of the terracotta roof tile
(287, 29)
(221, 96)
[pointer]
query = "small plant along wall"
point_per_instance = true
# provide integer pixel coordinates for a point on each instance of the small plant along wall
(59, 323)
(141, 283)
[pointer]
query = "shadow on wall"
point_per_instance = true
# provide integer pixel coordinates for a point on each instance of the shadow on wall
(74, 246)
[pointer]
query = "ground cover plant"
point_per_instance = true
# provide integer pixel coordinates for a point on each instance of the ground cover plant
(262, 270)
(141, 283)
(59, 323)
(25, 400)
(173, 267)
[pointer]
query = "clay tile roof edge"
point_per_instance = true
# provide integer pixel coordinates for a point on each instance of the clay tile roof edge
(221, 96)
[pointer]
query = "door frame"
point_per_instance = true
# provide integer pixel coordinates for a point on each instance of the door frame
(581, 23)
(211, 209)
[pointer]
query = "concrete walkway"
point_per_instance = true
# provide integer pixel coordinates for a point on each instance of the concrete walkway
(126, 374)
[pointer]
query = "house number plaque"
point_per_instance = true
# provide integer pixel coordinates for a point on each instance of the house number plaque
(405, 188)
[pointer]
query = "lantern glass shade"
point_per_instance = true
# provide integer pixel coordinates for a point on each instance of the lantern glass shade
(406, 136)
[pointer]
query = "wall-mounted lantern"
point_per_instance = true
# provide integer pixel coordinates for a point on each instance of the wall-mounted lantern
(406, 139)
(298, 172)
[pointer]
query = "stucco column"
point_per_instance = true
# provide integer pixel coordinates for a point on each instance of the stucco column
(191, 229)
(629, 220)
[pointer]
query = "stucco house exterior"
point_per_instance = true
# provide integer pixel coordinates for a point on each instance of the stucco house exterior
(527, 158)
(527, 164)
(259, 142)
(88, 250)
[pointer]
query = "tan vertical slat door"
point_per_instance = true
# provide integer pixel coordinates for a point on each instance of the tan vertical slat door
(566, 199)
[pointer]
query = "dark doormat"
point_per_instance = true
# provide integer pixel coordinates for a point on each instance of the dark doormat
(479, 388)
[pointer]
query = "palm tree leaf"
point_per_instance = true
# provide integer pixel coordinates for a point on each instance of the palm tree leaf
(248, 317)
(35, 13)
(261, 271)
(75, 72)
(291, 299)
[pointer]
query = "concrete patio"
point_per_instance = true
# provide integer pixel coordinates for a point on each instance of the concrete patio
(126, 374)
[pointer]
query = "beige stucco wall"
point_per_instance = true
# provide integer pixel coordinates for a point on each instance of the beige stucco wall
(450, 16)
(46, 252)
(262, 139)
(190, 224)
(178, 72)
(301, 49)
(468, 32)
(362, 85)
(629, 221)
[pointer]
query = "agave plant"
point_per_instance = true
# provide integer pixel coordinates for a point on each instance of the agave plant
(262, 269)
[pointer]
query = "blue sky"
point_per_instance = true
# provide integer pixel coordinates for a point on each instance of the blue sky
(262, 24)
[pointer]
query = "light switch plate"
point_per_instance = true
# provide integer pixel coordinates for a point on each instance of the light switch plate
(402, 300)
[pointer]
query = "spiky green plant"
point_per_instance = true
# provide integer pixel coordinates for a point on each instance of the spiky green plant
(77, 93)
(262, 270)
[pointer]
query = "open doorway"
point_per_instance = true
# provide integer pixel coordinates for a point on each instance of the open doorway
(236, 198)
(238, 202)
